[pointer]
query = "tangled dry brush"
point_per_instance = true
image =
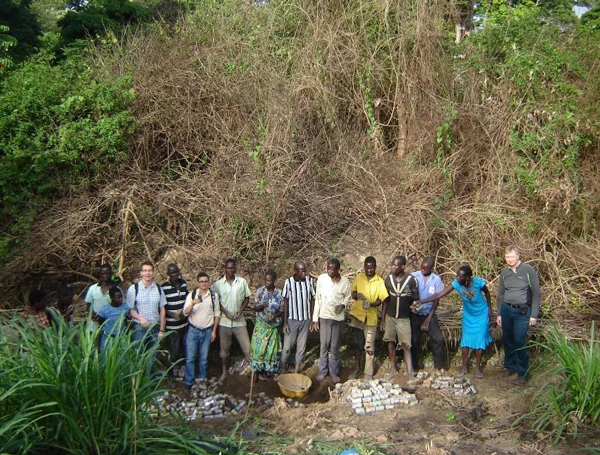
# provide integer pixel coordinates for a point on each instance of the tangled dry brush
(310, 129)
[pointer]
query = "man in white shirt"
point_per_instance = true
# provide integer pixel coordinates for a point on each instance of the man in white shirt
(332, 299)
(203, 313)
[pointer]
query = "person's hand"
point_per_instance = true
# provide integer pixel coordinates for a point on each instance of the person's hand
(366, 305)
(314, 326)
(144, 322)
(425, 325)
(161, 333)
(499, 320)
(338, 309)
(196, 301)
(532, 322)
(286, 328)
(213, 336)
(382, 325)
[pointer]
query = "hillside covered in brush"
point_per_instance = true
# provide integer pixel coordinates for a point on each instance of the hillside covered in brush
(197, 130)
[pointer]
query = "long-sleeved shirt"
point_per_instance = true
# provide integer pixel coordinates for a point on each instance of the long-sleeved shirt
(330, 294)
(373, 289)
(521, 287)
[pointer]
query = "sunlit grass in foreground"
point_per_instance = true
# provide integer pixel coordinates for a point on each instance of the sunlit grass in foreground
(569, 400)
(59, 395)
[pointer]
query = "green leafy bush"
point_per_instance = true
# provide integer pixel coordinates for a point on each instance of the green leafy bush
(60, 125)
(59, 395)
(91, 19)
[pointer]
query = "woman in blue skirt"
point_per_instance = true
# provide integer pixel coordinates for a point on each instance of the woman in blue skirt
(477, 315)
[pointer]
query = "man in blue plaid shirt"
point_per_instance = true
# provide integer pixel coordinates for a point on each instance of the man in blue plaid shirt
(147, 302)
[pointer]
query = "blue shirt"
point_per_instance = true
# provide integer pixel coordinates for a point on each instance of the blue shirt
(114, 318)
(427, 289)
(147, 302)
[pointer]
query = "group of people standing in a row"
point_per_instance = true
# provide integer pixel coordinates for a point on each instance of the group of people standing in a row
(403, 305)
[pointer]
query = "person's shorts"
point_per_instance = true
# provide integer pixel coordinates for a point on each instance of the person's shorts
(397, 330)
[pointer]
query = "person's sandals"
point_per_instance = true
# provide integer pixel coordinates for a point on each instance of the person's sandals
(478, 374)
(462, 372)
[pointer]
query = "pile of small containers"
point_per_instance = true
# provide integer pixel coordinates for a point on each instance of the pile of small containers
(369, 397)
(458, 386)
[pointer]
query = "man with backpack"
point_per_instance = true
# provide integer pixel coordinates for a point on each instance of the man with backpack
(203, 313)
(518, 307)
(147, 301)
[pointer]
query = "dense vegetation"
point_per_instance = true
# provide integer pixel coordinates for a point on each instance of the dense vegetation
(198, 130)
(60, 395)
(291, 127)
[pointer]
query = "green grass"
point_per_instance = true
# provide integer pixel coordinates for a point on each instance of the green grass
(569, 400)
(59, 395)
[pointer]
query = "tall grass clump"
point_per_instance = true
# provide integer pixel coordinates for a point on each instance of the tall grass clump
(569, 401)
(59, 395)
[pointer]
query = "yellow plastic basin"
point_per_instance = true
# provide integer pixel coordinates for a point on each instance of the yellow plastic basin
(294, 385)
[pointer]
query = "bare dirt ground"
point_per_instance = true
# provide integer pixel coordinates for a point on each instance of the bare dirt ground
(440, 424)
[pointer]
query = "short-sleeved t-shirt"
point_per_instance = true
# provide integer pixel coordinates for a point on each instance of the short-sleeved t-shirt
(97, 299)
(147, 302)
(401, 298)
(232, 296)
(432, 286)
(114, 318)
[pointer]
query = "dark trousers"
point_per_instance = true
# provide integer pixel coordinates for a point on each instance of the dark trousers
(514, 338)
(435, 341)
(174, 344)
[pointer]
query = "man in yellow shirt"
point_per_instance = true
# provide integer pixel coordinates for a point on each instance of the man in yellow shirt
(368, 291)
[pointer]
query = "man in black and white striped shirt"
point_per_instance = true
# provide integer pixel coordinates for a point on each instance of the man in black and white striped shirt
(299, 301)
(176, 290)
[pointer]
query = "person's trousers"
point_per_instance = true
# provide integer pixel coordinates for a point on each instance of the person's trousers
(435, 341)
(241, 335)
(514, 337)
(330, 333)
(146, 338)
(174, 343)
(197, 346)
(363, 338)
(298, 335)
